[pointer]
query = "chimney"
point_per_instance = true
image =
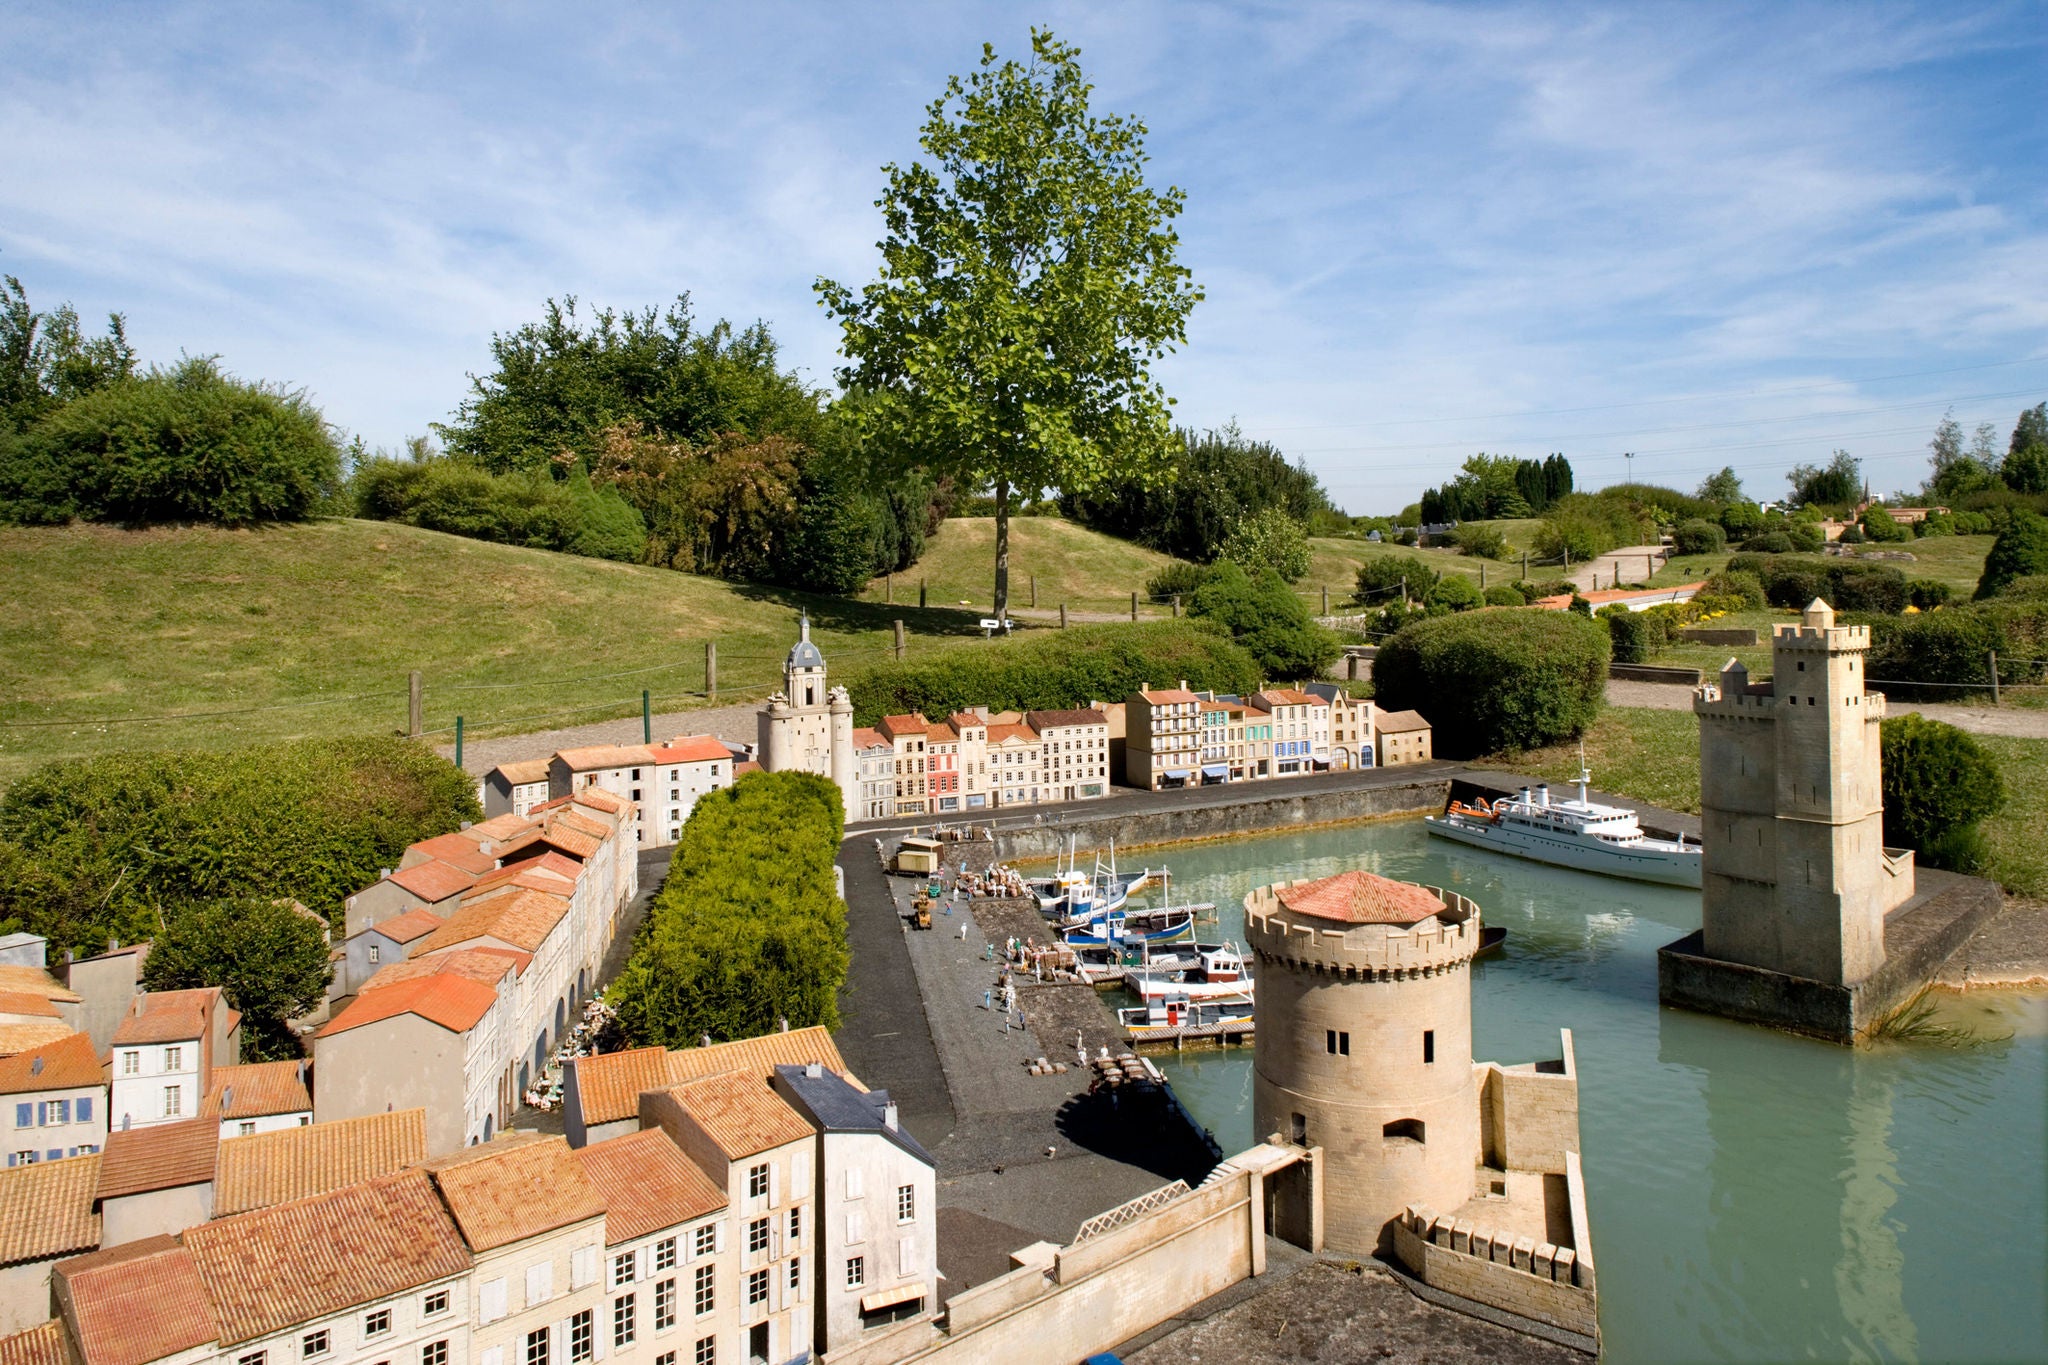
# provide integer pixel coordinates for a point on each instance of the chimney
(383, 874)
(889, 1116)
(463, 825)
(35, 1068)
(112, 944)
(782, 1023)
(815, 1070)
(1183, 684)
(302, 1071)
(227, 1098)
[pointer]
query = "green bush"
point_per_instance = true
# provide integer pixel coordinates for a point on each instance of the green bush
(1698, 537)
(1738, 583)
(269, 960)
(1741, 519)
(1381, 577)
(1178, 579)
(1935, 524)
(1851, 535)
(1265, 617)
(1806, 536)
(1482, 539)
(1938, 784)
(1944, 649)
(187, 444)
(1845, 584)
(1269, 538)
(528, 508)
(1051, 670)
(1632, 633)
(1547, 587)
(97, 848)
(1770, 543)
(1455, 592)
(1496, 680)
(1972, 524)
(2021, 549)
(1881, 526)
(748, 929)
(1505, 595)
(1927, 593)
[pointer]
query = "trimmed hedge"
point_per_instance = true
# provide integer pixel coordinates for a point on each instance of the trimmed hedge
(1938, 784)
(1635, 635)
(748, 930)
(1698, 537)
(1844, 584)
(2020, 551)
(103, 847)
(1496, 679)
(1051, 670)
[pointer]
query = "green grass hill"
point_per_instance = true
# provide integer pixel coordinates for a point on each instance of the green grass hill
(1085, 569)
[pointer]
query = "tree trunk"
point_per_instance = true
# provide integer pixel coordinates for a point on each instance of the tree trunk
(1002, 547)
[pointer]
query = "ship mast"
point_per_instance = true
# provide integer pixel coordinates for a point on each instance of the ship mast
(1585, 775)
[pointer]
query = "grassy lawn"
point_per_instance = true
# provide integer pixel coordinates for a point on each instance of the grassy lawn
(1654, 756)
(1085, 569)
(110, 626)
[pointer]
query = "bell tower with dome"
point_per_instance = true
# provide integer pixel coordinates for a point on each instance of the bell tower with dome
(807, 727)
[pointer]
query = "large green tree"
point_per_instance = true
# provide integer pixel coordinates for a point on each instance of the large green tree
(46, 360)
(1029, 279)
(268, 957)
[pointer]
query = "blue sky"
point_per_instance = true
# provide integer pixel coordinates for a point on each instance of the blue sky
(1708, 234)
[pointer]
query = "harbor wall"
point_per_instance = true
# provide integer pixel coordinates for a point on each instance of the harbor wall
(1281, 810)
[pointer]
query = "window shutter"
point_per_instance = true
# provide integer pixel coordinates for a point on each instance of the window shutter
(491, 1305)
(853, 1182)
(582, 1266)
(854, 1231)
(495, 1355)
(558, 1343)
(800, 1175)
(718, 1236)
(906, 1256)
(643, 1263)
(774, 1183)
(540, 1282)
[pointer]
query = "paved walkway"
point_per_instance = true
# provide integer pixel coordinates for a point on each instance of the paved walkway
(2017, 722)
(1629, 564)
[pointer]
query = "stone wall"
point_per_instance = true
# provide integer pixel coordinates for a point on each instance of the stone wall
(1283, 809)
(1529, 1114)
(1537, 1280)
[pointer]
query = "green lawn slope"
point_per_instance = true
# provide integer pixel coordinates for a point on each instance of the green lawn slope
(311, 629)
(1085, 569)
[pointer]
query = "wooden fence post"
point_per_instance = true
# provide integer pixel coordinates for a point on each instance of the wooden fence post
(1063, 616)
(1034, 592)
(1994, 677)
(415, 705)
(899, 640)
(711, 670)
(1134, 606)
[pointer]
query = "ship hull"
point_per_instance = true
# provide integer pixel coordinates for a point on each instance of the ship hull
(1667, 867)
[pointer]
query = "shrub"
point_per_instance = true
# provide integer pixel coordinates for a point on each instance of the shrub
(1865, 587)
(1405, 536)
(269, 960)
(1382, 576)
(1505, 595)
(1881, 526)
(1455, 592)
(1179, 578)
(1943, 648)
(96, 848)
(1972, 524)
(1740, 519)
(1927, 593)
(1479, 538)
(2021, 549)
(1631, 633)
(1938, 784)
(1851, 535)
(1549, 587)
(1737, 583)
(728, 951)
(1806, 536)
(1935, 524)
(1052, 670)
(1770, 543)
(532, 509)
(187, 444)
(1698, 537)
(1845, 584)
(1494, 680)
(1265, 617)
(1268, 539)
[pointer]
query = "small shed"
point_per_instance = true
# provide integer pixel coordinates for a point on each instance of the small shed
(917, 856)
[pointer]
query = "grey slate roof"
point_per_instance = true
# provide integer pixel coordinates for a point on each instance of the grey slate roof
(837, 1107)
(804, 654)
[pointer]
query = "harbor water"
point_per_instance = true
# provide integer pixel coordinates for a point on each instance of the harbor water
(1754, 1196)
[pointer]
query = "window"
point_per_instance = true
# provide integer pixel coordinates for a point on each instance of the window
(374, 955)
(906, 1203)
(245, 1127)
(796, 1276)
(757, 1181)
(622, 1269)
(623, 1333)
(796, 1225)
(1428, 1046)
(437, 1302)
(707, 1351)
(757, 1236)
(1338, 1043)
(705, 1296)
(582, 1335)
(853, 1189)
(436, 1352)
(706, 1241)
(665, 1254)
(1403, 1130)
(665, 1358)
(1298, 1127)
(314, 1344)
(174, 1101)
(665, 1304)
(856, 1271)
(378, 1323)
(254, 1357)
(56, 1111)
(757, 1287)
(537, 1346)
(174, 1059)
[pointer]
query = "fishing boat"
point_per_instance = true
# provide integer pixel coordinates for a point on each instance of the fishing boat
(1577, 833)
(1183, 1011)
(1071, 893)
(1130, 928)
(1216, 972)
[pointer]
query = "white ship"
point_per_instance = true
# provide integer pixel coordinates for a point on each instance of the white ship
(1579, 834)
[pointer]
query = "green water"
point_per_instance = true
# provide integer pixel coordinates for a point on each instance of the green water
(1754, 1196)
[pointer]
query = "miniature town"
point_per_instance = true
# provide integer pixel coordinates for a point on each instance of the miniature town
(883, 686)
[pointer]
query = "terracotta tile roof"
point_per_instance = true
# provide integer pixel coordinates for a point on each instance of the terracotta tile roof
(414, 923)
(604, 756)
(599, 800)
(961, 720)
(647, 1184)
(1360, 898)
(516, 917)
(1169, 694)
(168, 1016)
(136, 1303)
(897, 727)
(608, 1087)
(42, 1344)
(531, 875)
(867, 737)
(487, 965)
(740, 1112)
(1400, 721)
(293, 1163)
(522, 771)
(1053, 720)
(693, 749)
(67, 1063)
(163, 1156)
(434, 880)
(314, 1257)
(515, 1187)
(553, 835)
(33, 1003)
(453, 1002)
(46, 1209)
(19, 976)
(750, 766)
(458, 847)
(1607, 597)
(17, 1039)
(1001, 733)
(256, 1090)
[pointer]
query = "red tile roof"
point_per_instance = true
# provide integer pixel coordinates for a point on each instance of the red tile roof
(1169, 694)
(453, 1002)
(20, 976)
(647, 1184)
(596, 756)
(435, 880)
(514, 916)
(897, 727)
(867, 737)
(458, 847)
(414, 923)
(33, 1003)
(310, 1258)
(294, 1163)
(609, 1087)
(136, 1303)
(1360, 898)
(741, 1113)
(514, 1187)
(487, 965)
(256, 1090)
(1057, 720)
(46, 1209)
(163, 1156)
(523, 771)
(693, 749)
(19, 1039)
(67, 1063)
(1400, 722)
(169, 1016)
(750, 766)
(42, 1344)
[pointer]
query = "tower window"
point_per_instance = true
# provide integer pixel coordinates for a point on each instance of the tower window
(1428, 1047)
(1403, 1130)
(1298, 1128)
(1338, 1043)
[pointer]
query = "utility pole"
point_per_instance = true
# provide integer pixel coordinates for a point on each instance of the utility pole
(1134, 606)
(1034, 592)
(415, 705)
(646, 717)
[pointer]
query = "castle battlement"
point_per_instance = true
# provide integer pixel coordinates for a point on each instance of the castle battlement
(1367, 951)
(1820, 637)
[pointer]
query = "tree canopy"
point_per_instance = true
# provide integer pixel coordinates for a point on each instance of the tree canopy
(1838, 481)
(1491, 487)
(1219, 478)
(46, 360)
(1722, 487)
(1265, 616)
(1029, 280)
(269, 959)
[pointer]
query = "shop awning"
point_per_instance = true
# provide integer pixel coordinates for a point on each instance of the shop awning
(889, 1298)
(1218, 771)
(1177, 774)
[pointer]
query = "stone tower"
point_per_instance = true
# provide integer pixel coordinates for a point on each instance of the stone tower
(1796, 878)
(1365, 1043)
(806, 727)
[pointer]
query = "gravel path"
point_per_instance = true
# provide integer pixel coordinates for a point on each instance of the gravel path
(2012, 721)
(1630, 564)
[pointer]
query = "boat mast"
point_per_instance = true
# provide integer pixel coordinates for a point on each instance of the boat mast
(1585, 775)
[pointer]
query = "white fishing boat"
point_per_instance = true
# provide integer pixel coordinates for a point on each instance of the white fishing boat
(1069, 893)
(1576, 833)
(1216, 972)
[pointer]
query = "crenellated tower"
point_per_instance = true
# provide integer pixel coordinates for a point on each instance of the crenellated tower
(808, 727)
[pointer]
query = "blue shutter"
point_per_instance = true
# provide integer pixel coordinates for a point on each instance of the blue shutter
(24, 1116)
(85, 1109)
